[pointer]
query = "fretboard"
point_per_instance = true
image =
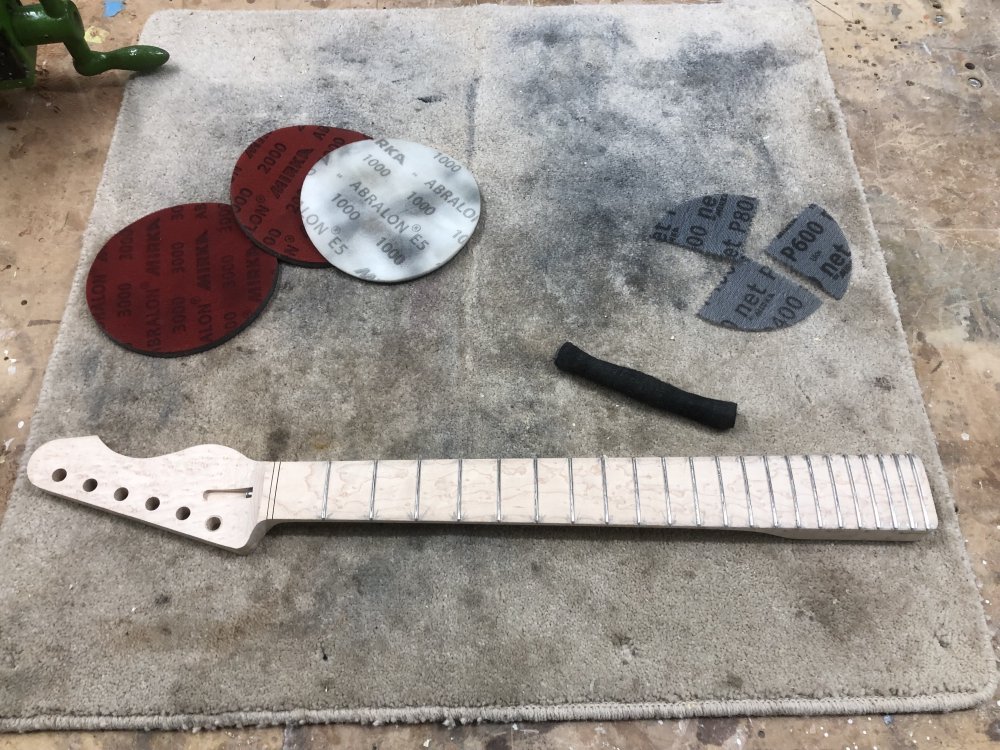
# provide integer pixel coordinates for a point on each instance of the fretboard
(839, 496)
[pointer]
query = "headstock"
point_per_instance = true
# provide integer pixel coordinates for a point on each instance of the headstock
(209, 492)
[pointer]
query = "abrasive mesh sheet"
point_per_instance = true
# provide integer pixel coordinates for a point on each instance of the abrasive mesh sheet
(813, 245)
(712, 224)
(580, 125)
(752, 297)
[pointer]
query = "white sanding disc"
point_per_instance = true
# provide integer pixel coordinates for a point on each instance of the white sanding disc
(389, 210)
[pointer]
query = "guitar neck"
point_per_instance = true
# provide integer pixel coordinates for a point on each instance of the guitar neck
(844, 497)
(217, 495)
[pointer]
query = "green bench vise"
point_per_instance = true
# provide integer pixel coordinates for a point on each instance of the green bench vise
(24, 27)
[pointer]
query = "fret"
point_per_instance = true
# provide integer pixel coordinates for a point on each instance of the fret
(350, 490)
(638, 501)
(854, 492)
(604, 490)
(572, 496)
(694, 493)
(499, 493)
(827, 492)
(438, 482)
(706, 482)
(902, 486)
(722, 494)
(650, 489)
(871, 492)
(822, 494)
(880, 497)
(836, 493)
(553, 490)
(775, 521)
(458, 492)
(760, 486)
(621, 492)
(518, 502)
(479, 490)
(666, 491)
(534, 468)
(682, 502)
(746, 489)
(729, 472)
(920, 490)
(886, 492)
(785, 488)
(588, 491)
(785, 492)
(416, 495)
(815, 494)
(396, 484)
(326, 488)
(794, 491)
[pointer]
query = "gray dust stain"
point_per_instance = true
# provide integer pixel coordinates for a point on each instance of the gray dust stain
(471, 94)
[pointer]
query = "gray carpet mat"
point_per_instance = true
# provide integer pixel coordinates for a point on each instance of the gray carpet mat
(583, 125)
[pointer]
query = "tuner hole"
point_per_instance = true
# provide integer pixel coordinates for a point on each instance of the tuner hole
(182, 513)
(213, 523)
(58, 475)
(90, 485)
(152, 503)
(120, 494)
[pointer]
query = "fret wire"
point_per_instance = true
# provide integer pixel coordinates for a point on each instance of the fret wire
(770, 491)
(722, 493)
(694, 490)
(499, 513)
(416, 496)
(812, 483)
(888, 492)
(920, 490)
(795, 494)
(326, 487)
(746, 489)
(666, 491)
(635, 484)
(458, 509)
(871, 490)
(572, 498)
(836, 495)
(535, 465)
(604, 489)
(854, 492)
(371, 502)
(902, 486)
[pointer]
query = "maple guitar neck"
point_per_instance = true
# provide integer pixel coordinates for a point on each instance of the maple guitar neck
(217, 495)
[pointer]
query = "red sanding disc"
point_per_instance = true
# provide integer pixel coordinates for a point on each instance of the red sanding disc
(179, 281)
(266, 184)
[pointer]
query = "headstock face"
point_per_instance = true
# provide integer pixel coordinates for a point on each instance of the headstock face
(209, 492)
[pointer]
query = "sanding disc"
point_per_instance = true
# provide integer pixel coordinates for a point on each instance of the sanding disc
(814, 245)
(389, 210)
(179, 281)
(752, 297)
(266, 184)
(712, 224)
